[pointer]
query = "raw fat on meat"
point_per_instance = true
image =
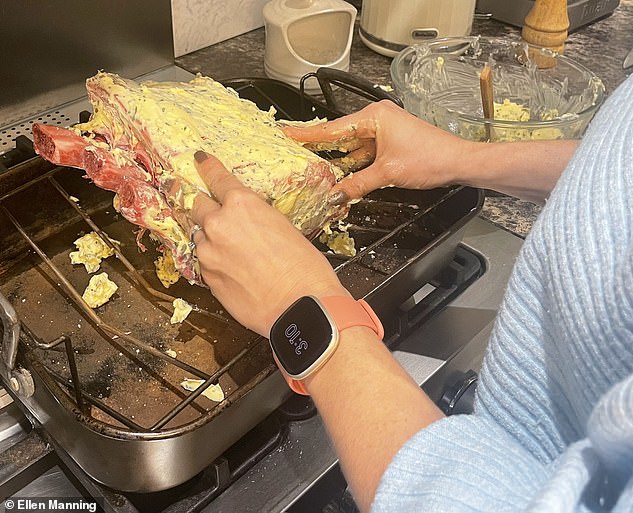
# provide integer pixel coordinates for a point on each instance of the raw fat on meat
(140, 142)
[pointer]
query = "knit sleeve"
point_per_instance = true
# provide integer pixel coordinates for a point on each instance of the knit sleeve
(460, 464)
(470, 464)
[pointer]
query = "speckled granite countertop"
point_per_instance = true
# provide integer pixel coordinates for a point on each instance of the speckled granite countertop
(600, 46)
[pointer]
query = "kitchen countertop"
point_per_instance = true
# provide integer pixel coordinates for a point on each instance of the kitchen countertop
(600, 46)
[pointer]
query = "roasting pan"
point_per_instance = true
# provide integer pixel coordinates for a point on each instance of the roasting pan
(104, 384)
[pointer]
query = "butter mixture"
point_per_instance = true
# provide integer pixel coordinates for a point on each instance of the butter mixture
(99, 290)
(510, 111)
(166, 269)
(90, 251)
(181, 310)
(213, 392)
(339, 242)
(180, 118)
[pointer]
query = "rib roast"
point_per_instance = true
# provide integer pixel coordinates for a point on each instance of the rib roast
(140, 141)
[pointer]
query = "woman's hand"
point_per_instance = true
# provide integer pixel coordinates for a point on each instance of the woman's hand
(254, 261)
(404, 150)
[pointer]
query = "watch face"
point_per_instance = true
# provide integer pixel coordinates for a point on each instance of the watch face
(301, 335)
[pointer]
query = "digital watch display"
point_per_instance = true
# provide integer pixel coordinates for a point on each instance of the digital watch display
(302, 335)
(307, 333)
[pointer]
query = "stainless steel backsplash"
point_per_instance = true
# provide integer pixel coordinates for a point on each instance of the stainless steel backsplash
(49, 47)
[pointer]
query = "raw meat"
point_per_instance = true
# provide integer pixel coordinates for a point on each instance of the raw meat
(137, 199)
(140, 141)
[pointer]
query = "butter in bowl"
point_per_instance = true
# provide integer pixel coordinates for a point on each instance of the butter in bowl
(439, 81)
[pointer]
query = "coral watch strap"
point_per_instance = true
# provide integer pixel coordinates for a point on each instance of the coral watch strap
(346, 313)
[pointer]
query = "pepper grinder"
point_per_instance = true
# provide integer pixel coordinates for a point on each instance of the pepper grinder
(546, 25)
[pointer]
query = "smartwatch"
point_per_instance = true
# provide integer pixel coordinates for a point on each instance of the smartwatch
(306, 335)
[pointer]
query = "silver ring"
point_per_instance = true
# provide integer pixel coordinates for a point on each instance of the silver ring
(194, 229)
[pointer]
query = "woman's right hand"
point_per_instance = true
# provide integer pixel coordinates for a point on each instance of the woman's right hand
(401, 149)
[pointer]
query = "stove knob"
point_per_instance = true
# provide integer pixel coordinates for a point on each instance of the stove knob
(298, 407)
(460, 396)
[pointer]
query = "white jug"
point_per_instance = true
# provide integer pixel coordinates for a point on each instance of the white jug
(304, 35)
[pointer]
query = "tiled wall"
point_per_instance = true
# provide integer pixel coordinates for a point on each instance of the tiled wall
(200, 23)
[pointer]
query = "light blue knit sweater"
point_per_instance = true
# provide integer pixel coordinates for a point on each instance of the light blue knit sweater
(553, 424)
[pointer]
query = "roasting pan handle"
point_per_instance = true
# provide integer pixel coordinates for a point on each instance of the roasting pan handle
(11, 332)
(361, 86)
(19, 379)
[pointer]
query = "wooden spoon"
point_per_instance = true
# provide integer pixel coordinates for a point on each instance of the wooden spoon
(487, 98)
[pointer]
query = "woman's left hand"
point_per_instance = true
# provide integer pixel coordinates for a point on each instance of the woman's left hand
(251, 257)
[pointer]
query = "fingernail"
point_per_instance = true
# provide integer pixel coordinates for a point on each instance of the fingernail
(338, 198)
(200, 156)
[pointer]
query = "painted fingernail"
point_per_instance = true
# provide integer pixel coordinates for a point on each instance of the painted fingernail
(200, 156)
(338, 198)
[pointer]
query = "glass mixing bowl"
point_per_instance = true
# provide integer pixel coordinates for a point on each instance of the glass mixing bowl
(439, 82)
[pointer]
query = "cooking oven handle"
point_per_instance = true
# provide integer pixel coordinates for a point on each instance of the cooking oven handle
(11, 332)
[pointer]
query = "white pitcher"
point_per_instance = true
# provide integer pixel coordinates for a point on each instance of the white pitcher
(304, 35)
